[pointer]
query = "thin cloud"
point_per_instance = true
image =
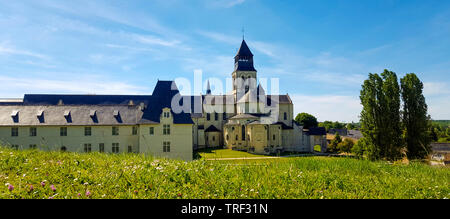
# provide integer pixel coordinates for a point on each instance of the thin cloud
(13, 87)
(5, 50)
(328, 107)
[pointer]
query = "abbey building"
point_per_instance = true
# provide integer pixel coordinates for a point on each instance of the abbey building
(246, 119)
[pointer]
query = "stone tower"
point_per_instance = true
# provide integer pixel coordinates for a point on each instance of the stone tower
(244, 74)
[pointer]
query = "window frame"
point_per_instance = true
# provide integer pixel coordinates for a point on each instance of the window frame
(86, 132)
(115, 130)
(14, 132)
(63, 131)
(33, 131)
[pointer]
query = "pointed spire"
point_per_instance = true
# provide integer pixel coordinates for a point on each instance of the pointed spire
(208, 89)
(244, 50)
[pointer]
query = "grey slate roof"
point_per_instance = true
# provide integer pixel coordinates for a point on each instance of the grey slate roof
(212, 128)
(161, 98)
(317, 131)
(244, 116)
(79, 115)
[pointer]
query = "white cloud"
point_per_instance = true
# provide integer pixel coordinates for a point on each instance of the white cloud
(13, 87)
(328, 107)
(435, 88)
(8, 50)
(224, 3)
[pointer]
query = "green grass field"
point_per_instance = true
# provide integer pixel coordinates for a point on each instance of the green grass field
(42, 175)
(224, 153)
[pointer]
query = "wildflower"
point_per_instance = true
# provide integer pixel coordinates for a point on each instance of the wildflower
(179, 194)
(135, 191)
(88, 193)
(31, 188)
(10, 187)
(79, 194)
(51, 197)
(53, 188)
(43, 183)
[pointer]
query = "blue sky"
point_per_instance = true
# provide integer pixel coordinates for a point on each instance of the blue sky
(321, 51)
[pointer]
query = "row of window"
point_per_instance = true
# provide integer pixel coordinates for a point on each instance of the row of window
(88, 131)
(216, 116)
(101, 147)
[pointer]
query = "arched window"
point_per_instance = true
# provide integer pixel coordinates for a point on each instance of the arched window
(243, 133)
(285, 116)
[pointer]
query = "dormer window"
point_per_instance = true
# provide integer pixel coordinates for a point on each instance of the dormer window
(15, 116)
(67, 115)
(93, 115)
(14, 113)
(40, 113)
(116, 115)
(166, 114)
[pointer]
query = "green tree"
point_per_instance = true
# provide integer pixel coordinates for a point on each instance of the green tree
(392, 130)
(380, 117)
(307, 120)
(415, 119)
(346, 145)
(333, 147)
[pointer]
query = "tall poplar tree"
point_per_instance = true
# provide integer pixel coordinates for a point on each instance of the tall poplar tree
(415, 118)
(380, 117)
(392, 131)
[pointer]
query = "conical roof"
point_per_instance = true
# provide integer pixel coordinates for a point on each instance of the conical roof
(244, 50)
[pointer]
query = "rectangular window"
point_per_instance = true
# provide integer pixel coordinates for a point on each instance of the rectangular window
(135, 130)
(33, 131)
(130, 149)
(87, 131)
(208, 116)
(216, 116)
(152, 131)
(224, 116)
(63, 131)
(115, 148)
(14, 132)
(166, 115)
(166, 129)
(87, 148)
(115, 130)
(33, 146)
(101, 147)
(166, 146)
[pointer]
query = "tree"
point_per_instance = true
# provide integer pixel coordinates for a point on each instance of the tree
(392, 130)
(333, 147)
(380, 117)
(346, 145)
(415, 119)
(307, 120)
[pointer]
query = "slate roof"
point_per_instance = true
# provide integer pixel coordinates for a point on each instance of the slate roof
(161, 98)
(317, 131)
(212, 128)
(244, 50)
(244, 116)
(79, 115)
(244, 53)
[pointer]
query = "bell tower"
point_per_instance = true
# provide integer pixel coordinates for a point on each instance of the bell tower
(244, 74)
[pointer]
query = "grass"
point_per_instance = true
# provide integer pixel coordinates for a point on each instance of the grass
(95, 175)
(224, 153)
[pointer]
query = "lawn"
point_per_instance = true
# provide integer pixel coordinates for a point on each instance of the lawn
(36, 174)
(225, 153)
